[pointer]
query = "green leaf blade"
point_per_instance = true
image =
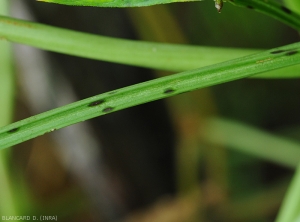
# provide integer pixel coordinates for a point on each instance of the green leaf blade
(148, 91)
(290, 209)
(139, 53)
(113, 3)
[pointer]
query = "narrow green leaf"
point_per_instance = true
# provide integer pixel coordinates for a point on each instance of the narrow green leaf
(113, 3)
(148, 91)
(290, 209)
(272, 9)
(139, 53)
(253, 141)
(7, 79)
(7, 88)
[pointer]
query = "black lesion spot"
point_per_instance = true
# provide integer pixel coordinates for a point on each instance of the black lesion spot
(13, 130)
(278, 51)
(286, 10)
(108, 109)
(96, 103)
(293, 52)
(249, 7)
(169, 90)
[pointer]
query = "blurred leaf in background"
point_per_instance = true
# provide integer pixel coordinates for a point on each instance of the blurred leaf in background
(138, 151)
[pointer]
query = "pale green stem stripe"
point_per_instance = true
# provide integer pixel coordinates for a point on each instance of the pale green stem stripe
(169, 57)
(7, 201)
(253, 141)
(290, 209)
(148, 91)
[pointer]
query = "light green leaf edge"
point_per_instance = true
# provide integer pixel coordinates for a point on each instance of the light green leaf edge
(113, 3)
(148, 91)
(139, 53)
(8, 201)
(294, 5)
(290, 209)
(251, 140)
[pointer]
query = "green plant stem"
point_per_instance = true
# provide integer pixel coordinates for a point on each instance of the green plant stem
(148, 91)
(7, 201)
(255, 206)
(290, 209)
(253, 141)
(145, 54)
(112, 3)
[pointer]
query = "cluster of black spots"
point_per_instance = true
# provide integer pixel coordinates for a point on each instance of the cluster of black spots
(108, 109)
(13, 130)
(278, 51)
(96, 103)
(286, 10)
(293, 52)
(287, 52)
(169, 90)
(99, 102)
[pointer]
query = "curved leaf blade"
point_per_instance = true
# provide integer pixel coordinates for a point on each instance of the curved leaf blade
(139, 53)
(290, 208)
(113, 3)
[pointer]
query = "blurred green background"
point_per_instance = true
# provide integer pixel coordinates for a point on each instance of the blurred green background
(151, 162)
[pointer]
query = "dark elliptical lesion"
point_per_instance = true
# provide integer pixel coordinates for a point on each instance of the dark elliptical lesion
(13, 130)
(219, 6)
(286, 10)
(108, 109)
(278, 51)
(287, 52)
(169, 90)
(96, 103)
(101, 102)
(292, 52)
